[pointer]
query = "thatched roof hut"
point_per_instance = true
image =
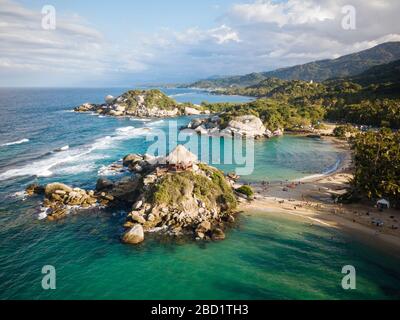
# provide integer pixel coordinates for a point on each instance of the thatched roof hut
(181, 156)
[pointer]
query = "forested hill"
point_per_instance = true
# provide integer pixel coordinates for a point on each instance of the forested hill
(387, 73)
(346, 66)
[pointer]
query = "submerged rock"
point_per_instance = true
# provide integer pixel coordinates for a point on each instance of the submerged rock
(34, 189)
(218, 234)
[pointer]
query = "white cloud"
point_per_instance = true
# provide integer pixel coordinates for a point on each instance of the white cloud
(220, 35)
(74, 47)
(252, 36)
(282, 13)
(278, 34)
(224, 34)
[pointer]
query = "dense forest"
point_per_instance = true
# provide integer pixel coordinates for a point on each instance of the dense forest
(377, 166)
(371, 98)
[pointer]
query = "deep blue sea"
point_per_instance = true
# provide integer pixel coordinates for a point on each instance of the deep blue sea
(266, 257)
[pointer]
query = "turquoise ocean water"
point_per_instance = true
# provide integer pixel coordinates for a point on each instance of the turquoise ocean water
(266, 256)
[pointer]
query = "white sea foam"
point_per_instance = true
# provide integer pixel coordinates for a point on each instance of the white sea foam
(111, 170)
(139, 119)
(181, 94)
(156, 123)
(14, 142)
(43, 213)
(22, 195)
(76, 158)
(74, 169)
(65, 148)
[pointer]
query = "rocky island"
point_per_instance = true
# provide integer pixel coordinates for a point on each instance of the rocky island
(229, 125)
(174, 195)
(142, 104)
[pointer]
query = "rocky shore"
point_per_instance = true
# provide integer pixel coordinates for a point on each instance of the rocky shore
(142, 104)
(244, 126)
(174, 195)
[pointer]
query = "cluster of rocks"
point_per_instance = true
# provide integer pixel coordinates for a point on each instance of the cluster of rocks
(141, 104)
(191, 215)
(197, 220)
(203, 224)
(60, 198)
(243, 126)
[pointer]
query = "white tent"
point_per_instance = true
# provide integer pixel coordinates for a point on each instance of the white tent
(181, 156)
(383, 203)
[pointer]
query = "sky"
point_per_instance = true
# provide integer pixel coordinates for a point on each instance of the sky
(131, 42)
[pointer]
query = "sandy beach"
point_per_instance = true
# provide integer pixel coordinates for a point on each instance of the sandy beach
(312, 199)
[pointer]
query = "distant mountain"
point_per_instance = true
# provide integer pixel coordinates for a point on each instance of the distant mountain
(346, 66)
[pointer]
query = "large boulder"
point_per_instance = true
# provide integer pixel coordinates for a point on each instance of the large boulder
(109, 99)
(104, 184)
(249, 125)
(131, 158)
(192, 111)
(53, 187)
(134, 235)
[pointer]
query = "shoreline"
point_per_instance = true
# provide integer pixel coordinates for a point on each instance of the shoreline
(310, 199)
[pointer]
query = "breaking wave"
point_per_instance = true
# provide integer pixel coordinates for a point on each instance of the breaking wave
(14, 142)
(75, 160)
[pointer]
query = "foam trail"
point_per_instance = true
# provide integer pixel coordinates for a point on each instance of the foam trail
(155, 123)
(181, 94)
(46, 167)
(14, 142)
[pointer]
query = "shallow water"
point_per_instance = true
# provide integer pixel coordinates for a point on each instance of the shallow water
(264, 257)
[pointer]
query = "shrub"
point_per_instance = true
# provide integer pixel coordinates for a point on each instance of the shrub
(246, 190)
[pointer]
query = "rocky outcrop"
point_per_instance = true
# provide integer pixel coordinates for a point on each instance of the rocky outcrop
(137, 103)
(197, 202)
(179, 197)
(60, 198)
(141, 104)
(240, 126)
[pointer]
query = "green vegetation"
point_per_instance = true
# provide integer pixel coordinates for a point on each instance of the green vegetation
(246, 190)
(174, 188)
(379, 113)
(343, 130)
(377, 166)
(275, 114)
(366, 102)
(152, 98)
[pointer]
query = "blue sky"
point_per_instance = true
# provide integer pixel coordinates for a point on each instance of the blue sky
(120, 42)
